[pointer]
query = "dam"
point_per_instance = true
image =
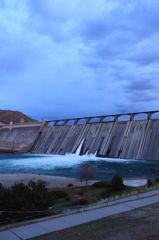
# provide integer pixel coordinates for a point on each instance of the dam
(115, 138)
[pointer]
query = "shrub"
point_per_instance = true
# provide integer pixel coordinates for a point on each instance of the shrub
(60, 194)
(79, 192)
(68, 198)
(106, 194)
(149, 183)
(105, 184)
(20, 197)
(75, 202)
(70, 185)
(83, 201)
(117, 183)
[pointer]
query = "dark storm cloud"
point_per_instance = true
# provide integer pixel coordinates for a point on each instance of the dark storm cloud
(145, 15)
(146, 56)
(142, 97)
(142, 91)
(111, 27)
(123, 42)
(117, 33)
(136, 21)
(141, 85)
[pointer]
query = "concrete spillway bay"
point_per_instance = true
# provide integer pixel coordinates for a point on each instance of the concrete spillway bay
(137, 139)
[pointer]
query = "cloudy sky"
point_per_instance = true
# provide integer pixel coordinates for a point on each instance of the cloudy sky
(75, 58)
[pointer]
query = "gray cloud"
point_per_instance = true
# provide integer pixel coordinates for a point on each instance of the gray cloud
(16, 54)
(62, 59)
(146, 56)
(123, 42)
(142, 97)
(46, 18)
(142, 85)
(142, 91)
(133, 20)
(116, 34)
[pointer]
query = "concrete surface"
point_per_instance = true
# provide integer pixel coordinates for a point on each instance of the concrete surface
(135, 182)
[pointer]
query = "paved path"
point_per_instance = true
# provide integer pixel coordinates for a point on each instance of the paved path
(92, 213)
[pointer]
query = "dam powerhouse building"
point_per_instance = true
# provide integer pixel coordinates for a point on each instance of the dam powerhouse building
(115, 138)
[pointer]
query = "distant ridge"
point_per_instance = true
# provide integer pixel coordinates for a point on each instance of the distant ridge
(7, 116)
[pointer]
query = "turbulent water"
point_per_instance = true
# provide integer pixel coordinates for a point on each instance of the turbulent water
(66, 165)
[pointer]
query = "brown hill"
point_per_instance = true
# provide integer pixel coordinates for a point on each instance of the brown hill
(6, 116)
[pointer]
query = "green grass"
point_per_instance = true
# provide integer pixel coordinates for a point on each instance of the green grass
(89, 191)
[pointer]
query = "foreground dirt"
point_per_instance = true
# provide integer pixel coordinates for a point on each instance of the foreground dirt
(138, 224)
(51, 181)
(147, 231)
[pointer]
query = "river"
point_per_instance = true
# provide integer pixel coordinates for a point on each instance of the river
(66, 165)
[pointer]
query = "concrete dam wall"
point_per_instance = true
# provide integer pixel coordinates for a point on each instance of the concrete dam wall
(130, 139)
(19, 137)
(138, 139)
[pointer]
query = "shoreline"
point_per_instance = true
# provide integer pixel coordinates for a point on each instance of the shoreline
(9, 179)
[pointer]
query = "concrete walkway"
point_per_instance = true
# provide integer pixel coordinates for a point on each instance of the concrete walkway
(92, 213)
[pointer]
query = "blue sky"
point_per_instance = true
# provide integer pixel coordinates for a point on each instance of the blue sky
(76, 58)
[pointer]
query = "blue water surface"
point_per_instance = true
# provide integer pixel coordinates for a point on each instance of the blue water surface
(66, 165)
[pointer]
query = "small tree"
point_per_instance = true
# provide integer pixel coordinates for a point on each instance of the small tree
(117, 183)
(86, 172)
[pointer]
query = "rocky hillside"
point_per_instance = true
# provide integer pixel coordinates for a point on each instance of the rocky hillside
(6, 116)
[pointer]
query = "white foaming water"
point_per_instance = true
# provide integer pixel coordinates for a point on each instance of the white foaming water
(79, 147)
(95, 154)
(48, 161)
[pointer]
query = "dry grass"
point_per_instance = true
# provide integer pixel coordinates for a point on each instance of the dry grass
(139, 224)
